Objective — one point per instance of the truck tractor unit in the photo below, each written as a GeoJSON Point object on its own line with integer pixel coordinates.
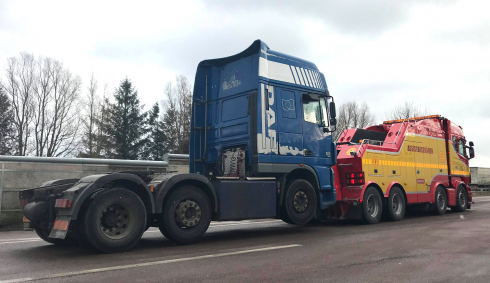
{"type": "Point", "coordinates": [421, 160]}
{"type": "Point", "coordinates": [260, 147]}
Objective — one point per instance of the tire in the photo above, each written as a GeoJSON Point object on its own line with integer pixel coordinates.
{"type": "Point", "coordinates": [461, 200]}
{"type": "Point", "coordinates": [186, 215]}
{"type": "Point", "coordinates": [372, 206]}
{"type": "Point", "coordinates": [300, 203]}
{"type": "Point", "coordinates": [114, 220]}
{"type": "Point", "coordinates": [396, 204]}
{"type": "Point", "coordinates": [440, 203]}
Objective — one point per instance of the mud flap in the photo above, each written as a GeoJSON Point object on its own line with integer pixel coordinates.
{"type": "Point", "coordinates": [60, 227]}
{"type": "Point", "coordinates": [27, 224]}
{"type": "Point", "coordinates": [354, 212]}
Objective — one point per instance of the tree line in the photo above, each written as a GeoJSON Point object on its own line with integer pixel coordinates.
{"type": "Point", "coordinates": [44, 111]}
{"type": "Point", "coordinates": [353, 114]}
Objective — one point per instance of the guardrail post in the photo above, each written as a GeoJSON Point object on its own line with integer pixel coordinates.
{"type": "Point", "coordinates": [1, 186]}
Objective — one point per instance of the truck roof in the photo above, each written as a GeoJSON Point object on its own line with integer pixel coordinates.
{"type": "Point", "coordinates": [258, 63]}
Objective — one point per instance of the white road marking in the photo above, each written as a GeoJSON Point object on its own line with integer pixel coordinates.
{"type": "Point", "coordinates": [120, 267]}
{"type": "Point", "coordinates": [23, 239]}
{"type": "Point", "coordinates": [20, 242]}
{"type": "Point", "coordinates": [17, 280]}
{"type": "Point", "coordinates": [247, 223]}
{"type": "Point", "coordinates": [231, 223]}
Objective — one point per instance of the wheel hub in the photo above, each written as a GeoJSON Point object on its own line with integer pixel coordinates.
{"type": "Point", "coordinates": [397, 204]}
{"type": "Point", "coordinates": [188, 214]}
{"type": "Point", "coordinates": [300, 201]}
{"type": "Point", "coordinates": [462, 198]}
{"type": "Point", "coordinates": [372, 206]}
{"type": "Point", "coordinates": [116, 221]}
{"type": "Point", "coordinates": [440, 200]}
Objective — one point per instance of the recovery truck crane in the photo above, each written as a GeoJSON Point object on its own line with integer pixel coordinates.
{"type": "Point", "coordinates": [261, 146]}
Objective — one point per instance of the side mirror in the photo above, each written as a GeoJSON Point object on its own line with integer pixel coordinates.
{"type": "Point", "coordinates": [472, 151]}
{"type": "Point", "coordinates": [471, 143]}
{"type": "Point", "coordinates": [333, 113]}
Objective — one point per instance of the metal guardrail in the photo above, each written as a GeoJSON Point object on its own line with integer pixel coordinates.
{"type": "Point", "coordinates": [82, 161]}
{"type": "Point", "coordinates": [175, 156]}
{"type": "Point", "coordinates": [29, 159]}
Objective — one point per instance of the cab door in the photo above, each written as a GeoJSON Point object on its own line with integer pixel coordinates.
{"type": "Point", "coordinates": [316, 142]}
{"type": "Point", "coordinates": [289, 126]}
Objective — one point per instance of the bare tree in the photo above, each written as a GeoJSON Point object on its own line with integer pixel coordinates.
{"type": "Point", "coordinates": [184, 98]}
{"type": "Point", "coordinates": [170, 119]}
{"type": "Point", "coordinates": [44, 98]}
{"type": "Point", "coordinates": [89, 122]}
{"type": "Point", "coordinates": [406, 110]}
{"type": "Point", "coordinates": [57, 118]}
{"type": "Point", "coordinates": [353, 115]}
{"type": "Point", "coordinates": [20, 84]}
{"type": "Point", "coordinates": [103, 145]}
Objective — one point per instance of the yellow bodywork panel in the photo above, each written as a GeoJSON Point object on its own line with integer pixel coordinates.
{"type": "Point", "coordinates": [420, 159]}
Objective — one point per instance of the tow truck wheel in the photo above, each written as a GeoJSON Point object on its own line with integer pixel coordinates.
{"type": "Point", "coordinates": [186, 215]}
{"type": "Point", "coordinates": [372, 206]}
{"type": "Point", "coordinates": [461, 200]}
{"type": "Point", "coordinates": [440, 204]}
{"type": "Point", "coordinates": [300, 203]}
{"type": "Point", "coordinates": [114, 221]}
{"type": "Point", "coordinates": [396, 204]}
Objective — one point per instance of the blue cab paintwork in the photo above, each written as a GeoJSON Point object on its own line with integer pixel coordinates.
{"type": "Point", "coordinates": [282, 135]}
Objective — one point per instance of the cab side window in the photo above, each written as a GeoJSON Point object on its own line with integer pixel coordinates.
{"type": "Point", "coordinates": [455, 144]}
{"type": "Point", "coordinates": [461, 147]}
{"type": "Point", "coordinates": [312, 111]}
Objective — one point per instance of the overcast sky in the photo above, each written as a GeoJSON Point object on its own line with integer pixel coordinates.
{"type": "Point", "coordinates": [436, 53]}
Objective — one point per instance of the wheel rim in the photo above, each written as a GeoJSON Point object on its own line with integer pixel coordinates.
{"type": "Point", "coordinates": [462, 198]}
{"type": "Point", "coordinates": [300, 201]}
{"type": "Point", "coordinates": [441, 201]}
{"type": "Point", "coordinates": [188, 214]}
{"type": "Point", "coordinates": [397, 204]}
{"type": "Point", "coordinates": [372, 206]}
{"type": "Point", "coordinates": [117, 220]}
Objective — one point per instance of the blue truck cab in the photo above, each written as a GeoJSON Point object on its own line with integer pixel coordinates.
{"type": "Point", "coordinates": [260, 147]}
{"type": "Point", "coordinates": [263, 115]}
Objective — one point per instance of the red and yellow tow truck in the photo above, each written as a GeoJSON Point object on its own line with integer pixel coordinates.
{"type": "Point", "coordinates": [421, 160]}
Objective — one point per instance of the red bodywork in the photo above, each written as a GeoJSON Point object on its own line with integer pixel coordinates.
{"type": "Point", "coordinates": [429, 126]}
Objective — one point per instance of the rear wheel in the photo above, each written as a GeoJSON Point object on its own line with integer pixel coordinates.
{"type": "Point", "coordinates": [186, 215]}
{"type": "Point", "coordinates": [440, 204]}
{"type": "Point", "coordinates": [114, 221]}
{"type": "Point", "coordinates": [461, 200]}
{"type": "Point", "coordinates": [396, 204]}
{"type": "Point", "coordinates": [300, 203]}
{"type": "Point", "coordinates": [372, 207]}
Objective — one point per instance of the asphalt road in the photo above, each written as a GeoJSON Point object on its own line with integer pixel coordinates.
{"type": "Point", "coordinates": [421, 248]}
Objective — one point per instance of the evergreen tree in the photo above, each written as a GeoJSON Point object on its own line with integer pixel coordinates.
{"type": "Point", "coordinates": [156, 145]}
{"type": "Point", "coordinates": [127, 123]}
{"type": "Point", "coordinates": [171, 124]}
{"type": "Point", "coordinates": [7, 132]}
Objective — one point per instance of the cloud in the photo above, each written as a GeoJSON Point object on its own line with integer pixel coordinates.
{"type": "Point", "coordinates": [479, 35]}
{"type": "Point", "coordinates": [359, 17]}
{"type": "Point", "coordinates": [434, 53]}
